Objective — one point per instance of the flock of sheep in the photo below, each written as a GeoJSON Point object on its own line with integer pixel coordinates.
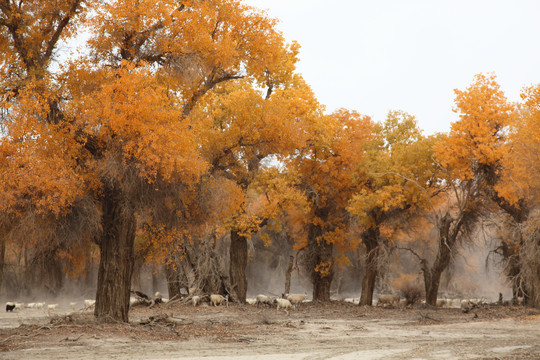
{"type": "Point", "coordinates": [11, 306]}
{"type": "Point", "coordinates": [285, 302]}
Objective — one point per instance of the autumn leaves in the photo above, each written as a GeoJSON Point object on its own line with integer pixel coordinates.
{"type": "Point", "coordinates": [189, 118]}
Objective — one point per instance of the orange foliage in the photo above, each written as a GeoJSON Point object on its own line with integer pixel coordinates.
{"type": "Point", "coordinates": [476, 139]}
{"type": "Point", "coordinates": [521, 159]}
{"type": "Point", "coordinates": [398, 171]}
{"type": "Point", "coordinates": [325, 168]}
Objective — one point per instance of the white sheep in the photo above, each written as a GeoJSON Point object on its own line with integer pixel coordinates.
{"type": "Point", "coordinates": [51, 307]}
{"type": "Point", "coordinates": [263, 299]}
{"type": "Point", "coordinates": [388, 300]}
{"type": "Point", "coordinates": [39, 305]}
{"type": "Point", "coordinates": [251, 301]}
{"type": "Point", "coordinates": [283, 304]}
{"type": "Point", "coordinates": [89, 304]}
{"type": "Point", "coordinates": [72, 305]}
{"type": "Point", "coordinates": [441, 303]}
{"type": "Point", "coordinates": [216, 299]}
{"type": "Point", "coordinates": [31, 305]}
{"type": "Point", "coordinates": [196, 300]}
{"type": "Point", "coordinates": [296, 299]}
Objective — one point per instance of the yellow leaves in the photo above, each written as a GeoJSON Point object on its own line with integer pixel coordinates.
{"type": "Point", "coordinates": [521, 159]}
{"type": "Point", "coordinates": [198, 39]}
{"type": "Point", "coordinates": [397, 166]}
{"type": "Point", "coordinates": [324, 268]}
{"type": "Point", "coordinates": [40, 159]}
{"type": "Point", "coordinates": [477, 138]}
{"type": "Point", "coordinates": [142, 118]}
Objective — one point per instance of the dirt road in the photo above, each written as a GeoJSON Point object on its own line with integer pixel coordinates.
{"type": "Point", "coordinates": [337, 331]}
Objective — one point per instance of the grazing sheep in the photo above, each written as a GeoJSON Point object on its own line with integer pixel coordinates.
{"type": "Point", "coordinates": [40, 305]}
{"type": "Point", "coordinates": [216, 299]}
{"type": "Point", "coordinates": [263, 299]}
{"type": "Point", "coordinates": [296, 298]}
{"type": "Point", "coordinates": [31, 305]}
{"type": "Point", "coordinates": [89, 304]}
{"type": "Point", "coordinates": [196, 300]}
{"type": "Point", "coordinates": [283, 304]}
{"type": "Point", "coordinates": [51, 307]}
{"type": "Point", "coordinates": [441, 303]}
{"type": "Point", "coordinates": [388, 300]}
{"type": "Point", "coordinates": [251, 301]}
{"type": "Point", "coordinates": [10, 307]}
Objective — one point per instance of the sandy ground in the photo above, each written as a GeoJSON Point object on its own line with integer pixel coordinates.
{"type": "Point", "coordinates": [337, 331]}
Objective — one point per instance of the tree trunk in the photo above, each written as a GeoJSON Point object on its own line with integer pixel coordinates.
{"type": "Point", "coordinates": [238, 264]}
{"type": "Point", "coordinates": [447, 235]}
{"type": "Point", "coordinates": [320, 259]}
{"type": "Point", "coordinates": [288, 275]}
{"type": "Point", "coordinates": [2, 259]}
{"type": "Point", "coordinates": [370, 238]}
{"type": "Point", "coordinates": [322, 281]}
{"type": "Point", "coordinates": [116, 261]}
{"type": "Point", "coordinates": [322, 273]}
{"type": "Point", "coordinates": [173, 279]}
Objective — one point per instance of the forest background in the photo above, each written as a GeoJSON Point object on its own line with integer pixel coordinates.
{"type": "Point", "coordinates": [181, 134]}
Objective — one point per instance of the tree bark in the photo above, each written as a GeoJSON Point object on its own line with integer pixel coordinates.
{"type": "Point", "coordinates": [288, 275]}
{"type": "Point", "coordinates": [448, 230]}
{"type": "Point", "coordinates": [2, 259]}
{"type": "Point", "coordinates": [117, 259]}
{"type": "Point", "coordinates": [238, 264]}
{"type": "Point", "coordinates": [321, 264]}
{"type": "Point", "coordinates": [370, 238]}
{"type": "Point", "coordinates": [173, 279]}
{"type": "Point", "coordinates": [323, 281]}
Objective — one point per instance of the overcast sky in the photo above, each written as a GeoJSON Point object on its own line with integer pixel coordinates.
{"type": "Point", "coordinates": [376, 56]}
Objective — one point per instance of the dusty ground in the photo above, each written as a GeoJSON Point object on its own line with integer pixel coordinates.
{"type": "Point", "coordinates": [314, 331]}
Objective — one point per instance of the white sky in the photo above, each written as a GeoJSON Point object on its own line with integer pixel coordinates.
{"type": "Point", "coordinates": [376, 56]}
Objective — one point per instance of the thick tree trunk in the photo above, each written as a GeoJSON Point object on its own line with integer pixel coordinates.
{"type": "Point", "coordinates": [370, 238]}
{"type": "Point", "coordinates": [238, 264]}
{"type": "Point", "coordinates": [288, 275]}
{"type": "Point", "coordinates": [322, 269]}
{"type": "Point", "coordinates": [321, 285]}
{"type": "Point", "coordinates": [2, 259]}
{"type": "Point", "coordinates": [447, 235]}
{"type": "Point", "coordinates": [172, 274]}
{"type": "Point", "coordinates": [116, 262]}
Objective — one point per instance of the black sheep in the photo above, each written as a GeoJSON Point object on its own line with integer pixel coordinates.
{"type": "Point", "coordinates": [10, 307]}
